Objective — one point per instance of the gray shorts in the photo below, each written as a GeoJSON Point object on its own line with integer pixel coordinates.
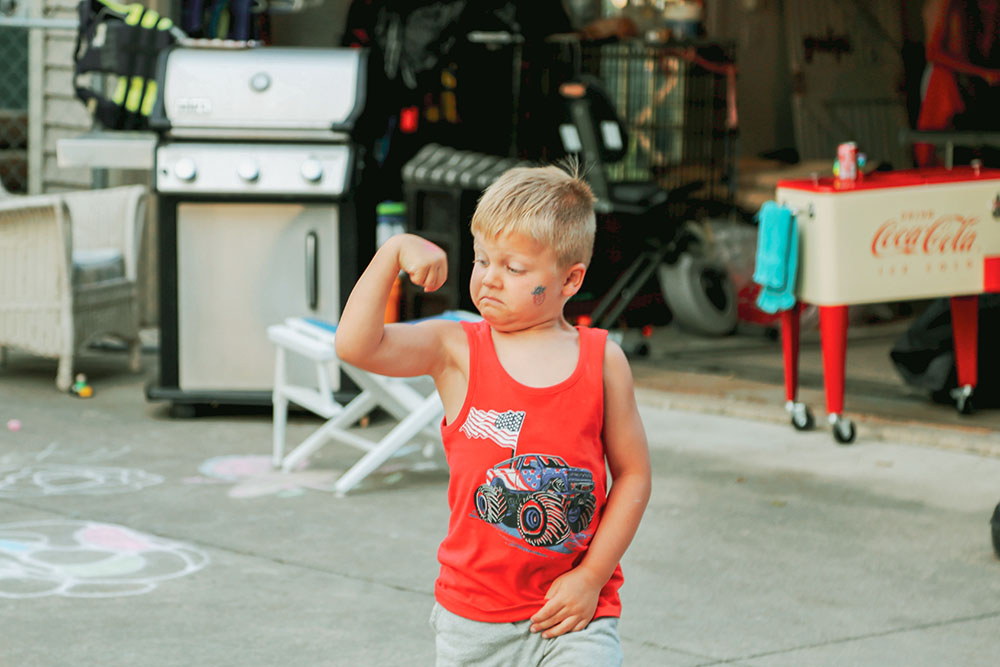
{"type": "Point", "coordinates": [462, 642]}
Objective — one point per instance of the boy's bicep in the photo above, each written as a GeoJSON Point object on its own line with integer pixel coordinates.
{"type": "Point", "coordinates": [408, 350]}
{"type": "Point", "coordinates": [624, 435]}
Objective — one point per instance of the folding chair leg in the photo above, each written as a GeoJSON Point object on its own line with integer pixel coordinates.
{"type": "Point", "coordinates": [64, 373]}
{"type": "Point", "coordinates": [135, 355]}
{"type": "Point", "coordinates": [397, 437]}
{"type": "Point", "coordinates": [280, 413]}
{"type": "Point", "coordinates": [352, 412]}
{"type": "Point", "coordinates": [278, 431]}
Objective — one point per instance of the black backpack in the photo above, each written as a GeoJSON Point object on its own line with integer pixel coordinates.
{"type": "Point", "coordinates": [123, 43]}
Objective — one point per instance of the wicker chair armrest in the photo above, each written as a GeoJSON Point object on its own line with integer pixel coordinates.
{"type": "Point", "coordinates": [110, 218]}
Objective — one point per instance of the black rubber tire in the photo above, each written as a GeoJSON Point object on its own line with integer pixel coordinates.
{"type": "Point", "coordinates": [844, 432]}
{"type": "Point", "coordinates": [491, 504]}
{"type": "Point", "coordinates": [807, 425]}
{"type": "Point", "coordinates": [183, 411]}
{"type": "Point", "coordinates": [995, 530]}
{"type": "Point", "coordinates": [541, 520]}
{"type": "Point", "coordinates": [581, 511]}
{"type": "Point", "coordinates": [700, 294]}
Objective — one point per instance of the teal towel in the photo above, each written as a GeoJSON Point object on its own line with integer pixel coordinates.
{"type": "Point", "coordinates": [777, 258]}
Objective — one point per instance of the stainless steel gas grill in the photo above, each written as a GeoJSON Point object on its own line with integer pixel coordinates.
{"type": "Point", "coordinates": [254, 169]}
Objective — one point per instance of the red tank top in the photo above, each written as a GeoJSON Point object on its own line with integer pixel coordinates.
{"type": "Point", "coordinates": [527, 486]}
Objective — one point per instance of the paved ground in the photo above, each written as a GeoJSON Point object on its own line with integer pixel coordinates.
{"type": "Point", "coordinates": [743, 376]}
{"type": "Point", "coordinates": [127, 537]}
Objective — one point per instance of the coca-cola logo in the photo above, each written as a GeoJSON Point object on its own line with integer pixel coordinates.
{"type": "Point", "coordinates": [951, 233]}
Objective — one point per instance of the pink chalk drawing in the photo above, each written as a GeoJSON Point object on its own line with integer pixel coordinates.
{"type": "Point", "coordinates": [85, 559]}
{"type": "Point", "coordinates": [255, 476]}
{"type": "Point", "coordinates": [114, 538]}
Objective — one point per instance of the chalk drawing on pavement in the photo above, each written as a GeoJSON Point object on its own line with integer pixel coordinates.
{"type": "Point", "coordinates": [64, 479]}
{"type": "Point", "coordinates": [85, 559]}
{"type": "Point", "coordinates": [40, 475]}
{"type": "Point", "coordinates": [254, 476]}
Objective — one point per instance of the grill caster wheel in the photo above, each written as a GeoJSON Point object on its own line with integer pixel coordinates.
{"type": "Point", "coordinates": [802, 416]}
{"type": "Point", "coordinates": [183, 411]}
{"type": "Point", "coordinates": [843, 429]}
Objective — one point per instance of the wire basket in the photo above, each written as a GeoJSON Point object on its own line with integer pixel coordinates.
{"type": "Point", "coordinates": [679, 109]}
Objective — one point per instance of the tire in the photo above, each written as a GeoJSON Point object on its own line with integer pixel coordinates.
{"type": "Point", "coordinates": [802, 418]}
{"type": "Point", "coordinates": [580, 512]}
{"type": "Point", "coordinates": [541, 520]}
{"type": "Point", "coordinates": [183, 410]}
{"type": "Point", "coordinates": [491, 504]}
{"type": "Point", "coordinates": [700, 294]}
{"type": "Point", "coordinates": [844, 431]}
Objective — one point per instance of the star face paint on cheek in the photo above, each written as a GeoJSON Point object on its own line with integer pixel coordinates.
{"type": "Point", "coordinates": [539, 295]}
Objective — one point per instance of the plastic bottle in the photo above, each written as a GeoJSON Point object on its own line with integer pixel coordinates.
{"type": "Point", "coordinates": [390, 219]}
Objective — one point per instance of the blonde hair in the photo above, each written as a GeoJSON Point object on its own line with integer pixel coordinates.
{"type": "Point", "coordinates": [552, 206]}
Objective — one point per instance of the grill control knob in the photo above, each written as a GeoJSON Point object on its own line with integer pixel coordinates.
{"type": "Point", "coordinates": [312, 170]}
{"type": "Point", "coordinates": [248, 171]}
{"type": "Point", "coordinates": [185, 169]}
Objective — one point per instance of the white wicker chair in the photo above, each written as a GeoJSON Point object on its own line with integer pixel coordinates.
{"type": "Point", "coordinates": [53, 298]}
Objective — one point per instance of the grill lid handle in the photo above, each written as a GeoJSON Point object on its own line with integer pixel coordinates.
{"type": "Point", "coordinates": [312, 271]}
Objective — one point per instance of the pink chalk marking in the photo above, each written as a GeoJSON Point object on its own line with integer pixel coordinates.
{"type": "Point", "coordinates": [241, 466]}
{"type": "Point", "coordinates": [113, 538]}
{"type": "Point", "coordinates": [234, 467]}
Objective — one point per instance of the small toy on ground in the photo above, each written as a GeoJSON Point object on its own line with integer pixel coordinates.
{"type": "Point", "coordinates": [14, 425]}
{"type": "Point", "coordinates": [80, 387]}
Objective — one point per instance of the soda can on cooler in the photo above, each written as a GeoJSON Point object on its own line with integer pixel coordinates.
{"type": "Point", "coordinates": [847, 161]}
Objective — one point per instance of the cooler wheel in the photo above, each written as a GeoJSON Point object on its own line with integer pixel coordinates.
{"type": "Point", "coordinates": [963, 399]}
{"type": "Point", "coordinates": [802, 416]}
{"type": "Point", "coordinates": [843, 429]}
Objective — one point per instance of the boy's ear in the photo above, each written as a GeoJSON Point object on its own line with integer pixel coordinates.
{"type": "Point", "coordinates": [574, 279]}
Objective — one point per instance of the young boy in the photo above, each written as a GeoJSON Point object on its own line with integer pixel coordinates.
{"type": "Point", "coordinates": [536, 413]}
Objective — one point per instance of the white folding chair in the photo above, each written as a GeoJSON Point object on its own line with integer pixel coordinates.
{"type": "Point", "coordinates": [413, 402]}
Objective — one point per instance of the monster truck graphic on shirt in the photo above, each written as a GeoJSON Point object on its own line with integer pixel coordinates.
{"type": "Point", "coordinates": [540, 495]}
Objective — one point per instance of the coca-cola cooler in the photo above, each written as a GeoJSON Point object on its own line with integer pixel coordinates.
{"type": "Point", "coordinates": [891, 236]}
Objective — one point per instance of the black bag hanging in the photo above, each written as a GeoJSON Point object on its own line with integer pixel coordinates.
{"type": "Point", "coordinates": [121, 42]}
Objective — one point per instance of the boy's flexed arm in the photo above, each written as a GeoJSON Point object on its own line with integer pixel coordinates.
{"type": "Point", "coordinates": [363, 340]}
{"type": "Point", "coordinates": [572, 597]}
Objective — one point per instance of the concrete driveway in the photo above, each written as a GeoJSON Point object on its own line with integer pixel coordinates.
{"type": "Point", "coordinates": [130, 538]}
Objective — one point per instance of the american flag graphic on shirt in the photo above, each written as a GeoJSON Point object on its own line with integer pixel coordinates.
{"type": "Point", "coordinates": [502, 428]}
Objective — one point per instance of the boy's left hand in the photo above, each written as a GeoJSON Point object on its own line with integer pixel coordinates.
{"type": "Point", "coordinates": [572, 601]}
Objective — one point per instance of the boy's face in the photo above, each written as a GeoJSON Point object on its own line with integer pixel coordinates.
{"type": "Point", "coordinates": [517, 282]}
